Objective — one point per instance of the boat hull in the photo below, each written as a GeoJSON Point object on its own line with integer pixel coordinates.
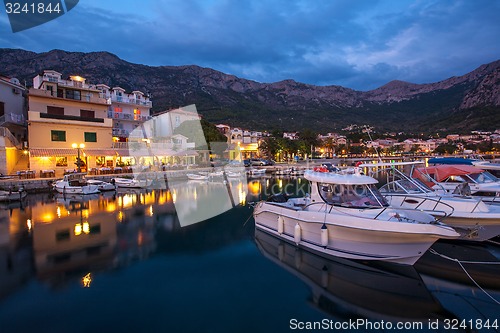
{"type": "Point", "coordinates": [350, 237]}
{"type": "Point", "coordinates": [474, 220]}
{"type": "Point", "coordinates": [87, 189]}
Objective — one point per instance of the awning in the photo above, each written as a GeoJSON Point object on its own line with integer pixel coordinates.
{"type": "Point", "coordinates": [48, 152]}
{"type": "Point", "coordinates": [106, 152]}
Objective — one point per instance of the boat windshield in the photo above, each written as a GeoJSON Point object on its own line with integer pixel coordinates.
{"type": "Point", "coordinates": [483, 177]}
{"type": "Point", "coordinates": [406, 186]}
{"type": "Point", "coordinates": [356, 196]}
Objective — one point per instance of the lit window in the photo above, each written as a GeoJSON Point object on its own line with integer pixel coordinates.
{"type": "Point", "coordinates": [58, 135]}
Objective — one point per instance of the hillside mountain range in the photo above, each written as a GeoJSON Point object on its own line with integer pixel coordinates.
{"type": "Point", "coordinates": [462, 103]}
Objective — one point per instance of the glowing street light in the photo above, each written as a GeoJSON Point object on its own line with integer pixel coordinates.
{"type": "Point", "coordinates": [78, 160]}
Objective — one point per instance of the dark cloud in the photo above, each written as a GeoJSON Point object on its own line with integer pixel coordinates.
{"type": "Point", "coordinates": [357, 44]}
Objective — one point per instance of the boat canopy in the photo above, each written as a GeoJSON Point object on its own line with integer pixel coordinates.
{"type": "Point", "coordinates": [443, 171]}
{"type": "Point", "coordinates": [339, 178]}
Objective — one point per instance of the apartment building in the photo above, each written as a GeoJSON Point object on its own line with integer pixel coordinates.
{"type": "Point", "coordinates": [13, 132]}
{"type": "Point", "coordinates": [63, 114]}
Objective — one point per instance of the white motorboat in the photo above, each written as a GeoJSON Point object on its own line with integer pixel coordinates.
{"type": "Point", "coordinates": [283, 172]}
{"type": "Point", "coordinates": [197, 176]}
{"type": "Point", "coordinates": [470, 216]}
{"type": "Point", "coordinates": [131, 182]}
{"type": "Point", "coordinates": [75, 183]}
{"type": "Point", "coordinates": [460, 179]}
{"type": "Point", "coordinates": [256, 172]}
{"type": "Point", "coordinates": [346, 216]}
{"type": "Point", "coordinates": [102, 185]}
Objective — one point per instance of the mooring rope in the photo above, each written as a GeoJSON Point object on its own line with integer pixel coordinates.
{"type": "Point", "coordinates": [460, 262]}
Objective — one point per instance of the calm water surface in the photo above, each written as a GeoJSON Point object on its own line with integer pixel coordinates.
{"type": "Point", "coordinates": [128, 262]}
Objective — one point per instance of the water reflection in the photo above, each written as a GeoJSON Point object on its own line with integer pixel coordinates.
{"type": "Point", "coordinates": [68, 241]}
{"type": "Point", "coordinates": [350, 289]}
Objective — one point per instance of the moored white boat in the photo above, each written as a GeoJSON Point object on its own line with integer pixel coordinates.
{"type": "Point", "coordinates": [346, 216]}
{"type": "Point", "coordinates": [256, 172]}
{"type": "Point", "coordinates": [470, 216]}
{"type": "Point", "coordinates": [102, 185]}
{"type": "Point", "coordinates": [461, 179]}
{"type": "Point", "coordinates": [197, 176]}
{"type": "Point", "coordinates": [131, 182]}
{"type": "Point", "coordinates": [75, 183]}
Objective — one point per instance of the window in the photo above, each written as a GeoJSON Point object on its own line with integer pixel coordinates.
{"type": "Point", "coordinates": [62, 235]}
{"type": "Point", "coordinates": [55, 110]}
{"type": "Point", "coordinates": [87, 114]}
{"type": "Point", "coordinates": [100, 160]}
{"type": "Point", "coordinates": [137, 114]}
{"type": "Point", "coordinates": [118, 109]}
{"type": "Point", "coordinates": [90, 137]}
{"type": "Point", "coordinates": [177, 121]}
{"type": "Point", "coordinates": [58, 135]}
{"type": "Point", "coordinates": [73, 94]}
{"type": "Point", "coordinates": [62, 161]}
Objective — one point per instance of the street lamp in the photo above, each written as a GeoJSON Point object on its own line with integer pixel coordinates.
{"type": "Point", "coordinates": [78, 160]}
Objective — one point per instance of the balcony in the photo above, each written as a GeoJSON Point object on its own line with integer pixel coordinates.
{"type": "Point", "coordinates": [122, 99]}
{"type": "Point", "coordinates": [53, 94]}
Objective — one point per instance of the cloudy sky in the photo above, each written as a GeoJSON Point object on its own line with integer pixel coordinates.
{"type": "Point", "coordinates": [360, 44]}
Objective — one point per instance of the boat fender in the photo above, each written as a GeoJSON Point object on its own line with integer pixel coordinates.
{"type": "Point", "coordinates": [113, 181]}
{"type": "Point", "coordinates": [324, 235]}
{"type": "Point", "coordinates": [297, 234]}
{"type": "Point", "coordinates": [50, 183]}
{"type": "Point", "coordinates": [281, 224]}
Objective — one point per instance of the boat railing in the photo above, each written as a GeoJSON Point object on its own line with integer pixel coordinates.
{"type": "Point", "coordinates": [437, 203]}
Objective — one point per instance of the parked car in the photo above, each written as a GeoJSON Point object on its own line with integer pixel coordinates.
{"type": "Point", "coordinates": [268, 162]}
{"type": "Point", "coordinates": [247, 163]}
{"type": "Point", "coordinates": [257, 162]}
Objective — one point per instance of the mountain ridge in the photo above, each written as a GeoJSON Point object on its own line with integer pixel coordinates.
{"type": "Point", "coordinates": [222, 97]}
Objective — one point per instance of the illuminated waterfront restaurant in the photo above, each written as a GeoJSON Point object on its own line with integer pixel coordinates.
{"type": "Point", "coordinates": [64, 114]}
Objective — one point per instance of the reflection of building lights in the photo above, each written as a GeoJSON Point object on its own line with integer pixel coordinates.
{"type": "Point", "coordinates": [28, 223]}
{"type": "Point", "coordinates": [280, 183]}
{"type": "Point", "coordinates": [151, 210]}
{"type": "Point", "coordinates": [242, 196]}
{"type": "Point", "coordinates": [86, 280]}
{"type": "Point", "coordinates": [140, 238]}
{"type": "Point", "coordinates": [58, 212]}
{"type": "Point", "coordinates": [82, 228]}
{"type": "Point", "coordinates": [174, 196]}
{"type": "Point", "coordinates": [254, 187]}
{"type": "Point", "coordinates": [86, 228]}
{"type": "Point", "coordinates": [78, 229]}
{"type": "Point", "coordinates": [120, 216]}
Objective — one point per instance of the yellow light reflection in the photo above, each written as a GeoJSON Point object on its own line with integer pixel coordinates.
{"type": "Point", "coordinates": [78, 229]}
{"type": "Point", "coordinates": [86, 228]}
{"type": "Point", "coordinates": [58, 212]}
{"type": "Point", "coordinates": [86, 280]}
{"type": "Point", "coordinates": [28, 223]}
{"type": "Point", "coordinates": [151, 210]}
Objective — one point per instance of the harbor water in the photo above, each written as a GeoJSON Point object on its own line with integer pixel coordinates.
{"type": "Point", "coordinates": [187, 258]}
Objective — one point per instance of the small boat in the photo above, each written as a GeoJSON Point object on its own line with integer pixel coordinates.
{"type": "Point", "coordinates": [256, 172]}
{"type": "Point", "coordinates": [296, 172]}
{"type": "Point", "coordinates": [197, 176]}
{"type": "Point", "coordinates": [102, 185]}
{"type": "Point", "coordinates": [346, 216]}
{"type": "Point", "coordinates": [75, 183]}
{"type": "Point", "coordinates": [8, 196]}
{"type": "Point", "coordinates": [234, 174]}
{"type": "Point", "coordinates": [131, 182]}
{"type": "Point", "coordinates": [283, 172]}
{"type": "Point", "coordinates": [471, 217]}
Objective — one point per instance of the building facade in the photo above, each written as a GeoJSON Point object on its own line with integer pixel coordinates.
{"type": "Point", "coordinates": [13, 133]}
{"type": "Point", "coordinates": [61, 114]}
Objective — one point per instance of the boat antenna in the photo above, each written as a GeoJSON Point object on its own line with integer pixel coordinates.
{"type": "Point", "coordinates": [371, 139]}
